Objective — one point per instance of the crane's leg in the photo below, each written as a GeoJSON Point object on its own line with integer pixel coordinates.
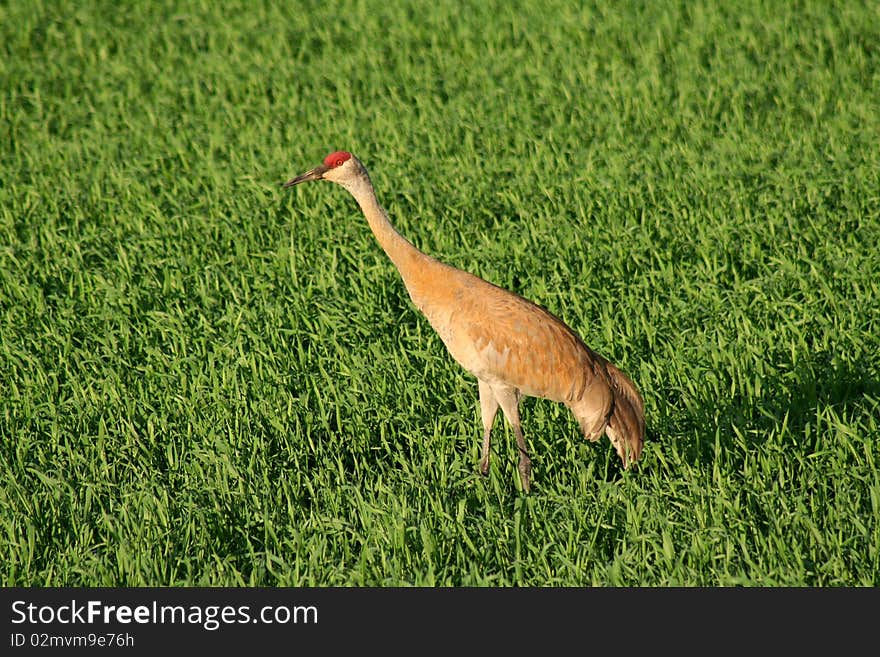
{"type": "Point", "coordinates": [488, 410]}
{"type": "Point", "coordinates": [508, 398]}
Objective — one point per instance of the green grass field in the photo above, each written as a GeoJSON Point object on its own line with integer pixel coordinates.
{"type": "Point", "coordinates": [205, 379]}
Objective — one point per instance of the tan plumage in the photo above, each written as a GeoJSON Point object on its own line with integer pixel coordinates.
{"type": "Point", "coordinates": [513, 346]}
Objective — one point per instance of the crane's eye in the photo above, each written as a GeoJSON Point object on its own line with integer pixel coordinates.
{"type": "Point", "coordinates": [340, 162]}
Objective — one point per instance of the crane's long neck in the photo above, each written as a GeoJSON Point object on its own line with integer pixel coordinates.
{"type": "Point", "coordinates": [430, 283]}
{"type": "Point", "coordinates": [403, 254]}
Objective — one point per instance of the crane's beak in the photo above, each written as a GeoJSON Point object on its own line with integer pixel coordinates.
{"type": "Point", "coordinates": [315, 174]}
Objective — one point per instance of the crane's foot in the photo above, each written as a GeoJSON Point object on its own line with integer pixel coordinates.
{"type": "Point", "coordinates": [484, 465]}
{"type": "Point", "coordinates": [525, 473]}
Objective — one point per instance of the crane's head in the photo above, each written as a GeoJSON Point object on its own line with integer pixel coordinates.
{"type": "Point", "coordinates": [340, 167]}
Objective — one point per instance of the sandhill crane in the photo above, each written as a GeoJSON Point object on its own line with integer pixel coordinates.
{"type": "Point", "coordinates": [513, 346]}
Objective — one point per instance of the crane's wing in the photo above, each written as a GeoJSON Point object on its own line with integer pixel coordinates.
{"type": "Point", "coordinates": [521, 344]}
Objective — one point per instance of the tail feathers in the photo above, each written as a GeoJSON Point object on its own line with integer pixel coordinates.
{"type": "Point", "coordinates": [626, 426]}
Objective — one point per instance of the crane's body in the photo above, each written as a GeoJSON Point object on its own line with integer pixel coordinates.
{"type": "Point", "coordinates": [511, 345]}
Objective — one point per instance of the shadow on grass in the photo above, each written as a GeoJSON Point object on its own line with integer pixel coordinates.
{"type": "Point", "coordinates": [791, 406]}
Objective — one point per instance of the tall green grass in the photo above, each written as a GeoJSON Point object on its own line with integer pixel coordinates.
{"type": "Point", "coordinates": [207, 380]}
